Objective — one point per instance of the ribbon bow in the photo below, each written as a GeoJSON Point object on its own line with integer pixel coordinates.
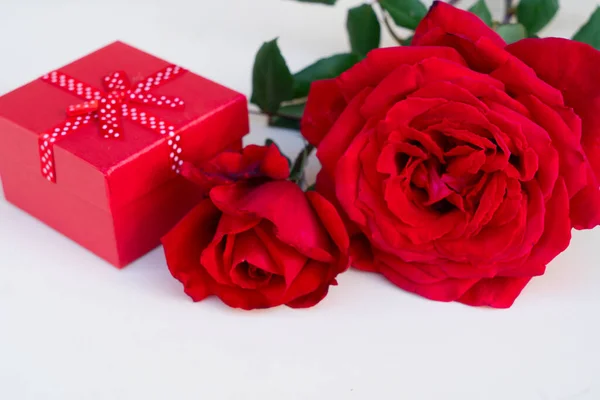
{"type": "Point", "coordinates": [110, 108]}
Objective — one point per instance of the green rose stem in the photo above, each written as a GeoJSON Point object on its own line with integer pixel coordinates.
{"type": "Point", "coordinates": [510, 11]}
{"type": "Point", "coordinates": [300, 163]}
{"type": "Point", "coordinates": [388, 25]}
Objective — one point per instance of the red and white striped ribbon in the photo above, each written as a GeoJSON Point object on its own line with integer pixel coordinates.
{"type": "Point", "coordinates": [109, 108]}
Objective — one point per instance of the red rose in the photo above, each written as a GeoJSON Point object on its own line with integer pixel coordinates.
{"type": "Point", "coordinates": [257, 240]}
{"type": "Point", "coordinates": [461, 163]}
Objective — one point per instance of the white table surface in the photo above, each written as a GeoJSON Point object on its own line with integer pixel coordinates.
{"type": "Point", "coordinates": [74, 328]}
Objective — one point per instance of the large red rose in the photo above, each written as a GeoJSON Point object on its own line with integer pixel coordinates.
{"type": "Point", "coordinates": [258, 240]}
{"type": "Point", "coordinates": [460, 163]}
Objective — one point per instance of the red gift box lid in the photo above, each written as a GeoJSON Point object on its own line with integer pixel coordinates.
{"type": "Point", "coordinates": [112, 172]}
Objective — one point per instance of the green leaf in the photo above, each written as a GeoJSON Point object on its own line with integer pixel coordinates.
{"type": "Point", "coordinates": [288, 117]}
{"type": "Point", "coordinates": [312, 188]}
{"type": "Point", "coordinates": [511, 32]}
{"type": "Point", "coordinates": [535, 14]}
{"type": "Point", "coordinates": [590, 32]}
{"type": "Point", "coordinates": [482, 11]}
{"type": "Point", "coordinates": [293, 111]}
{"type": "Point", "coordinates": [285, 123]}
{"type": "Point", "coordinates": [325, 68]}
{"type": "Point", "coordinates": [405, 13]}
{"type": "Point", "coordinates": [363, 29]}
{"type": "Point", "coordinates": [272, 81]}
{"type": "Point", "coordinates": [328, 2]}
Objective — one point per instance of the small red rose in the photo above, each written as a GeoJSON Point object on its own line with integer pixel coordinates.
{"type": "Point", "coordinates": [460, 163]}
{"type": "Point", "coordinates": [257, 240]}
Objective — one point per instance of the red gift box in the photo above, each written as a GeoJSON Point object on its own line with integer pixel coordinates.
{"type": "Point", "coordinates": [93, 149]}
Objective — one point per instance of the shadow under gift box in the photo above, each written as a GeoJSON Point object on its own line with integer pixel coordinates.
{"type": "Point", "coordinates": [117, 197]}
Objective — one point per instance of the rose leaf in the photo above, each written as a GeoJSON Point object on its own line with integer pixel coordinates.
{"type": "Point", "coordinates": [272, 81]}
{"type": "Point", "coordinates": [405, 13]}
{"type": "Point", "coordinates": [324, 68]}
{"type": "Point", "coordinates": [363, 28]}
{"type": "Point", "coordinates": [535, 14]}
{"type": "Point", "coordinates": [511, 32]}
{"type": "Point", "coordinates": [285, 123]}
{"type": "Point", "coordinates": [482, 11]}
{"type": "Point", "coordinates": [590, 32]}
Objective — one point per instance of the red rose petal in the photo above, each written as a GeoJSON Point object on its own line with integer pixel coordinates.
{"type": "Point", "coordinates": [575, 74]}
{"type": "Point", "coordinates": [403, 134]}
{"type": "Point", "coordinates": [249, 248]}
{"type": "Point", "coordinates": [534, 210]}
{"type": "Point", "coordinates": [438, 69]}
{"type": "Point", "coordinates": [449, 91]}
{"type": "Point", "coordinates": [538, 139]}
{"type": "Point", "coordinates": [490, 93]}
{"type": "Point", "coordinates": [326, 187]}
{"type": "Point", "coordinates": [422, 225]}
{"type": "Point", "coordinates": [361, 254]}
{"type": "Point", "coordinates": [288, 259]}
{"type": "Point", "coordinates": [242, 277]}
{"type": "Point", "coordinates": [324, 105]}
{"type": "Point", "coordinates": [346, 179]}
{"type": "Point", "coordinates": [345, 129]}
{"type": "Point", "coordinates": [499, 292]}
{"type": "Point", "coordinates": [403, 112]}
{"type": "Point", "coordinates": [417, 273]}
{"type": "Point", "coordinates": [573, 164]}
{"type": "Point", "coordinates": [444, 290]}
{"type": "Point", "coordinates": [245, 299]}
{"type": "Point", "coordinates": [557, 227]}
{"type": "Point", "coordinates": [510, 204]}
{"type": "Point", "coordinates": [273, 201]}
{"type": "Point", "coordinates": [196, 285]}
{"type": "Point", "coordinates": [184, 244]}
{"type": "Point", "coordinates": [395, 86]}
{"type": "Point", "coordinates": [310, 299]}
{"type": "Point", "coordinates": [488, 245]}
{"type": "Point", "coordinates": [380, 62]}
{"type": "Point", "coordinates": [521, 79]}
{"type": "Point", "coordinates": [309, 280]}
{"type": "Point", "coordinates": [445, 18]}
{"type": "Point", "coordinates": [469, 164]}
{"type": "Point", "coordinates": [490, 201]}
{"type": "Point", "coordinates": [525, 270]}
{"type": "Point", "coordinates": [436, 271]}
{"type": "Point", "coordinates": [331, 220]}
{"type": "Point", "coordinates": [217, 262]}
{"type": "Point", "coordinates": [585, 208]}
{"type": "Point", "coordinates": [368, 162]}
{"type": "Point", "coordinates": [273, 164]}
{"type": "Point", "coordinates": [232, 166]}
{"type": "Point", "coordinates": [233, 224]}
{"type": "Point", "coordinates": [217, 258]}
{"type": "Point", "coordinates": [464, 135]}
{"type": "Point", "coordinates": [468, 116]}
{"type": "Point", "coordinates": [436, 188]}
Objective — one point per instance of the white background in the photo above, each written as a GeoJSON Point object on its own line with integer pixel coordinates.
{"type": "Point", "coordinates": [74, 328]}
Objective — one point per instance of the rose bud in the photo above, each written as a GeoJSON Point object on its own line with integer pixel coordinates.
{"type": "Point", "coordinates": [257, 240]}
{"type": "Point", "coordinates": [461, 163]}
